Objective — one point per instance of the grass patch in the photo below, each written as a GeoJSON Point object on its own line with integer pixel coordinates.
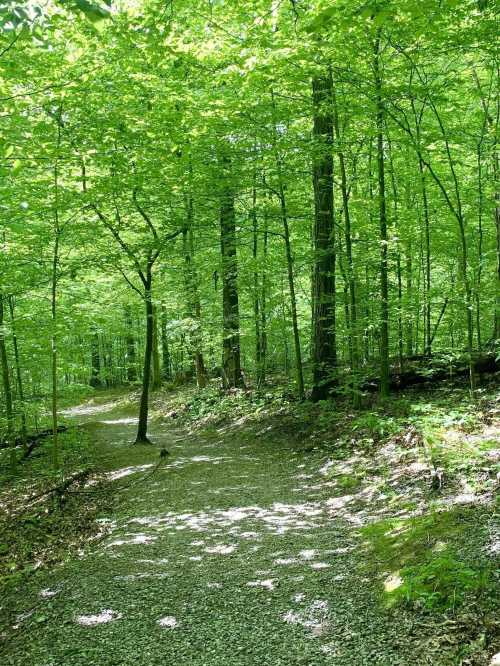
{"type": "Point", "coordinates": [424, 560]}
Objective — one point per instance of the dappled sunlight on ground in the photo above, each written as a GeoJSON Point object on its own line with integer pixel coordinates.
{"type": "Point", "coordinates": [103, 617]}
{"type": "Point", "coordinates": [245, 540]}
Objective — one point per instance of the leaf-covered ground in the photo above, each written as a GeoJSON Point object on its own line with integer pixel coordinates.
{"type": "Point", "coordinates": [261, 543]}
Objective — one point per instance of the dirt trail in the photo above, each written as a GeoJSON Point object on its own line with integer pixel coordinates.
{"type": "Point", "coordinates": [234, 553]}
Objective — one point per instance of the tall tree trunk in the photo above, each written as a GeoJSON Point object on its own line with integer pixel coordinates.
{"type": "Point", "coordinates": [130, 346]}
{"type": "Point", "coordinates": [165, 350]}
{"type": "Point", "coordinates": [289, 261]}
{"type": "Point", "coordinates": [231, 363]}
{"type": "Point", "coordinates": [156, 372]}
{"type": "Point", "coordinates": [193, 309]}
{"type": "Point", "coordinates": [263, 306]}
{"type": "Point", "coordinates": [384, 281]}
{"type": "Point", "coordinates": [324, 353]}
{"type": "Point", "coordinates": [53, 305]}
{"type": "Point", "coordinates": [142, 430]}
{"type": "Point", "coordinates": [7, 389]}
{"type": "Point", "coordinates": [351, 282]}
{"type": "Point", "coordinates": [256, 287]}
{"type": "Point", "coordinates": [95, 376]}
{"type": "Point", "coordinates": [19, 374]}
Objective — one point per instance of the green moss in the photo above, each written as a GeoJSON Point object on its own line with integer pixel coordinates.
{"type": "Point", "coordinates": [424, 554]}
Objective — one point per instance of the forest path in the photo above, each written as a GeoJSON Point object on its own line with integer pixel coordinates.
{"type": "Point", "coordinates": [230, 554]}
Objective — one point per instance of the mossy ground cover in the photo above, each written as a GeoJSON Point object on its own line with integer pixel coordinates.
{"type": "Point", "coordinates": [256, 544]}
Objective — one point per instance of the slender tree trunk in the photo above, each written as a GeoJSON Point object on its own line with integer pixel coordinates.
{"type": "Point", "coordinates": [351, 281]}
{"type": "Point", "coordinates": [130, 346]}
{"type": "Point", "coordinates": [231, 363]}
{"type": "Point", "coordinates": [9, 411]}
{"type": "Point", "coordinates": [156, 372]}
{"type": "Point", "coordinates": [165, 350]}
{"type": "Point", "coordinates": [395, 197]}
{"type": "Point", "coordinates": [263, 306]}
{"type": "Point", "coordinates": [384, 281]}
{"type": "Point", "coordinates": [95, 376]}
{"type": "Point", "coordinates": [142, 430]}
{"type": "Point", "coordinates": [192, 296]}
{"type": "Point", "coordinates": [324, 354]}
{"type": "Point", "coordinates": [53, 307]}
{"type": "Point", "coordinates": [256, 287]}
{"type": "Point", "coordinates": [293, 299]}
{"type": "Point", "coordinates": [19, 374]}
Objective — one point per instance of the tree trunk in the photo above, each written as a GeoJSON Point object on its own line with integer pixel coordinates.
{"type": "Point", "coordinates": [324, 353]}
{"type": "Point", "coordinates": [351, 282]}
{"type": "Point", "coordinates": [156, 372]}
{"type": "Point", "coordinates": [142, 430]}
{"type": "Point", "coordinates": [165, 350]}
{"type": "Point", "coordinates": [9, 412]}
{"type": "Point", "coordinates": [231, 363]}
{"type": "Point", "coordinates": [130, 346]}
{"type": "Point", "coordinates": [256, 292]}
{"type": "Point", "coordinates": [19, 375]}
{"type": "Point", "coordinates": [95, 377]}
{"type": "Point", "coordinates": [193, 309]}
{"type": "Point", "coordinates": [384, 282]}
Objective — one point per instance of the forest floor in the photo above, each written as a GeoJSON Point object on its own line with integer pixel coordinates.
{"type": "Point", "coordinates": [276, 533]}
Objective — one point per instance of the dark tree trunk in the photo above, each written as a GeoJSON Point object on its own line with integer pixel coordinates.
{"type": "Point", "coordinates": [142, 430]}
{"type": "Point", "coordinates": [231, 363]}
{"type": "Point", "coordinates": [324, 354]}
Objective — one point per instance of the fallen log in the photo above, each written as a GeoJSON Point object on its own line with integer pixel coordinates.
{"type": "Point", "coordinates": [435, 369]}
{"type": "Point", "coordinates": [61, 488]}
{"type": "Point", "coordinates": [30, 441]}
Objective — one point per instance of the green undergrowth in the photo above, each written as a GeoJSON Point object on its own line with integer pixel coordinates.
{"type": "Point", "coordinates": [38, 527]}
{"type": "Point", "coordinates": [434, 562]}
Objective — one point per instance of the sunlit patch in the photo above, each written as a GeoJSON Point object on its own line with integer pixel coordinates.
{"type": "Point", "coordinates": [300, 596]}
{"type": "Point", "coordinates": [221, 550]}
{"type": "Point", "coordinates": [319, 565]}
{"type": "Point", "coordinates": [214, 586]}
{"type": "Point", "coordinates": [392, 582]}
{"type": "Point", "coordinates": [283, 561]}
{"type": "Point", "coordinates": [495, 660]}
{"type": "Point", "coordinates": [133, 540]}
{"type": "Point", "coordinates": [126, 471]}
{"type": "Point", "coordinates": [168, 622]}
{"type": "Point", "coordinates": [307, 554]}
{"type": "Point", "coordinates": [48, 593]}
{"type": "Point", "coordinates": [313, 618]}
{"type": "Point", "coordinates": [140, 576]}
{"type": "Point", "coordinates": [103, 617]}
{"type": "Point", "coordinates": [196, 558]}
{"type": "Point", "coordinates": [160, 560]}
{"type": "Point", "coordinates": [268, 584]}
{"type": "Point", "coordinates": [125, 421]}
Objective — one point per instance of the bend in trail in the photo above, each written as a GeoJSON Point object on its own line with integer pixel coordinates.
{"type": "Point", "coordinates": [233, 553]}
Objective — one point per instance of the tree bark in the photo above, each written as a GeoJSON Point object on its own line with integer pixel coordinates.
{"type": "Point", "coordinates": [384, 281]}
{"type": "Point", "coordinates": [142, 430]}
{"type": "Point", "coordinates": [7, 389]}
{"type": "Point", "coordinates": [130, 346]}
{"type": "Point", "coordinates": [231, 361]}
{"type": "Point", "coordinates": [19, 374]}
{"type": "Point", "coordinates": [324, 352]}
{"type": "Point", "coordinates": [95, 376]}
